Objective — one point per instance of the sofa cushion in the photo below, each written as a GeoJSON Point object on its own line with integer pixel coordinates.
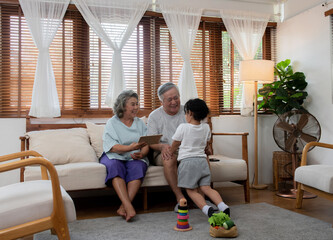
{"type": "Point", "coordinates": [323, 175]}
{"type": "Point", "coordinates": [63, 145]}
{"type": "Point", "coordinates": [27, 201]}
{"type": "Point", "coordinates": [154, 177]}
{"type": "Point", "coordinates": [74, 176]}
{"type": "Point", "coordinates": [95, 133]}
{"type": "Point", "coordinates": [228, 169]}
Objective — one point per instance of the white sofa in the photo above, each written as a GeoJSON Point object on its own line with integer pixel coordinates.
{"type": "Point", "coordinates": [74, 149]}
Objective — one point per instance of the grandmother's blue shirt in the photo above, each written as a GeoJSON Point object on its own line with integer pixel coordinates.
{"type": "Point", "coordinates": [116, 132]}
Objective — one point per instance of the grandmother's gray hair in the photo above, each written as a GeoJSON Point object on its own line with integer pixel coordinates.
{"type": "Point", "coordinates": [164, 88]}
{"type": "Point", "coordinates": [119, 105]}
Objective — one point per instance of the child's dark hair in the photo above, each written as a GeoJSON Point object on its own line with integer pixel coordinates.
{"type": "Point", "coordinates": [198, 107]}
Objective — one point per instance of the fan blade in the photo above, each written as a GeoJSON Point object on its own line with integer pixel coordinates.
{"type": "Point", "coordinates": [290, 142]}
{"type": "Point", "coordinates": [308, 138]}
{"type": "Point", "coordinates": [285, 126]}
{"type": "Point", "coordinates": [302, 121]}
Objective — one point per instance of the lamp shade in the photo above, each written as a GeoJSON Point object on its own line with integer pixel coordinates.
{"type": "Point", "coordinates": [256, 70]}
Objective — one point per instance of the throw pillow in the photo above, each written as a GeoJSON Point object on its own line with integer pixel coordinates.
{"type": "Point", "coordinates": [63, 146]}
{"type": "Point", "coordinates": [95, 133]}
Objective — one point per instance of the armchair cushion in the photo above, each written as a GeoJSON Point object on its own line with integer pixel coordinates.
{"type": "Point", "coordinates": [63, 146]}
{"type": "Point", "coordinates": [316, 176]}
{"type": "Point", "coordinates": [29, 201]}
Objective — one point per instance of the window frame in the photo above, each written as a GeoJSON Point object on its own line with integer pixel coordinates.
{"type": "Point", "coordinates": [81, 76]}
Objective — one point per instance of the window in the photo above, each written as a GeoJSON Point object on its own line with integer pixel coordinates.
{"type": "Point", "coordinates": [82, 63]}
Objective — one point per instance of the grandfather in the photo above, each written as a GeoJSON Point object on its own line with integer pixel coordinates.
{"type": "Point", "coordinates": [165, 120]}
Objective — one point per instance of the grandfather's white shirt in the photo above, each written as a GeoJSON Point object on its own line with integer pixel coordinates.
{"type": "Point", "coordinates": [159, 122]}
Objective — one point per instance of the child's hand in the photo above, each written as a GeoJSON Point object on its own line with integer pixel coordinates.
{"type": "Point", "coordinates": [208, 150]}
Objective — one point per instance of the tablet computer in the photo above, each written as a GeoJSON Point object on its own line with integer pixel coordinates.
{"type": "Point", "coordinates": [152, 139]}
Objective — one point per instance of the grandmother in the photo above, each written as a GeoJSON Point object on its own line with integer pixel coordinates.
{"type": "Point", "coordinates": [124, 158]}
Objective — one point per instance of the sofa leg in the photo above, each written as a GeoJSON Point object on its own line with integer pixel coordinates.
{"type": "Point", "coordinates": [299, 196]}
{"type": "Point", "coordinates": [247, 191]}
{"type": "Point", "coordinates": [145, 198]}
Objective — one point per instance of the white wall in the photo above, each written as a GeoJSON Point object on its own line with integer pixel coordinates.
{"type": "Point", "coordinates": [231, 145]}
{"type": "Point", "coordinates": [306, 40]}
{"type": "Point", "coordinates": [10, 129]}
{"type": "Point", "coordinates": [295, 7]}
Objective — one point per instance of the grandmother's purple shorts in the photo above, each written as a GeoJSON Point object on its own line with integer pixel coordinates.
{"type": "Point", "coordinates": [127, 170]}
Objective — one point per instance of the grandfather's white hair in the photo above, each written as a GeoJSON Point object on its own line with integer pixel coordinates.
{"type": "Point", "coordinates": [164, 88]}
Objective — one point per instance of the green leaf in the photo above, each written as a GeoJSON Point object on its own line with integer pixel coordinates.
{"type": "Point", "coordinates": [265, 90]}
{"type": "Point", "coordinates": [282, 109]}
{"type": "Point", "coordinates": [281, 92]}
{"type": "Point", "coordinates": [283, 64]}
{"type": "Point", "coordinates": [261, 105]}
{"type": "Point", "coordinates": [294, 104]}
{"type": "Point", "coordinates": [282, 98]}
{"type": "Point", "coordinates": [289, 71]}
{"type": "Point", "coordinates": [217, 219]}
{"type": "Point", "coordinates": [297, 95]}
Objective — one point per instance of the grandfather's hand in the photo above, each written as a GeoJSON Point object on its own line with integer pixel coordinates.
{"type": "Point", "coordinates": [166, 152]}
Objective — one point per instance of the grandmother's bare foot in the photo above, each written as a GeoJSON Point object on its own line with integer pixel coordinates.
{"type": "Point", "coordinates": [130, 213]}
{"type": "Point", "coordinates": [121, 211]}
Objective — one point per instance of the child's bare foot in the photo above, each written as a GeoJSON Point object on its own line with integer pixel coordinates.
{"type": "Point", "coordinates": [121, 211]}
{"type": "Point", "coordinates": [130, 212]}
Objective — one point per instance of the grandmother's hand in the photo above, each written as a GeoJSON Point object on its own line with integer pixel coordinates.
{"type": "Point", "coordinates": [137, 155]}
{"type": "Point", "coordinates": [136, 146]}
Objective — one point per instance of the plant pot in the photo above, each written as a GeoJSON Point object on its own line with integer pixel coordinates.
{"type": "Point", "coordinates": [221, 232]}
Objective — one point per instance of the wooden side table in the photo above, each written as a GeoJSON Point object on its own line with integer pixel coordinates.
{"type": "Point", "coordinates": [282, 167]}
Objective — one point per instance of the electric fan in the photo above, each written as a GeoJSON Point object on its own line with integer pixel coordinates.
{"type": "Point", "coordinates": [291, 132]}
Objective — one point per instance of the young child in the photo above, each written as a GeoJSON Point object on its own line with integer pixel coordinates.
{"type": "Point", "coordinates": [194, 171]}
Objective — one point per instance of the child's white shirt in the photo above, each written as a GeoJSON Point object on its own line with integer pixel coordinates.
{"type": "Point", "coordinates": [193, 139]}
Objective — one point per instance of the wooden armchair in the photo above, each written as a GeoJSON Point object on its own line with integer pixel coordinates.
{"type": "Point", "coordinates": [22, 213]}
{"type": "Point", "coordinates": [317, 179]}
{"type": "Point", "coordinates": [230, 169]}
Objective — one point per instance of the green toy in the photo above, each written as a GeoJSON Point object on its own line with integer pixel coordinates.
{"type": "Point", "coordinates": [221, 225]}
{"type": "Point", "coordinates": [228, 224]}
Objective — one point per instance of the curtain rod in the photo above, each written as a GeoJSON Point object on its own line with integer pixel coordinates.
{"type": "Point", "coordinates": [151, 6]}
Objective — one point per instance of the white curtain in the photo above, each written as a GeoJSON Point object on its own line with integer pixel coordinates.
{"type": "Point", "coordinates": [183, 23]}
{"type": "Point", "coordinates": [43, 18]}
{"type": "Point", "coordinates": [114, 22]}
{"type": "Point", "coordinates": [246, 30]}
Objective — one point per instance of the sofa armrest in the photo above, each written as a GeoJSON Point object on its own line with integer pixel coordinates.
{"type": "Point", "coordinates": [244, 142]}
{"type": "Point", "coordinates": [309, 146]}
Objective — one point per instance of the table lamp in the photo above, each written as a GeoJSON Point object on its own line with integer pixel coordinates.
{"type": "Point", "coordinates": [261, 71]}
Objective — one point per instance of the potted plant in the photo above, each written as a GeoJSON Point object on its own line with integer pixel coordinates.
{"type": "Point", "coordinates": [285, 94]}
{"type": "Point", "coordinates": [282, 97]}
